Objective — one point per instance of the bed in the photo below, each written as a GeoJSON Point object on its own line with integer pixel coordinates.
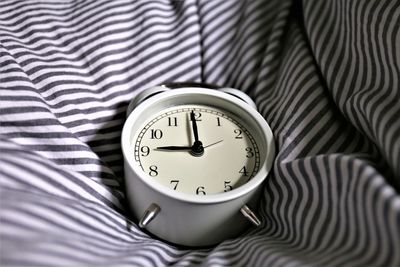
{"type": "Point", "coordinates": [324, 74]}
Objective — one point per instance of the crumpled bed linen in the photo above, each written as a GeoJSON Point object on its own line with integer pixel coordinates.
{"type": "Point", "coordinates": [324, 74]}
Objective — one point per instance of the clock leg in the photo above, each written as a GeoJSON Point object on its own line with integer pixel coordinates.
{"type": "Point", "coordinates": [250, 215]}
{"type": "Point", "coordinates": [149, 214]}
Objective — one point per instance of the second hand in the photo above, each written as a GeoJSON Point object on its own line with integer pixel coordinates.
{"type": "Point", "coordinates": [214, 143]}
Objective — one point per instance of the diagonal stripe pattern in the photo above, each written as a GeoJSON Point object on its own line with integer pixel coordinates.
{"type": "Point", "coordinates": [324, 74]}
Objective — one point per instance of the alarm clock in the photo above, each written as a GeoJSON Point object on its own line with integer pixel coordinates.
{"type": "Point", "coordinates": [195, 159]}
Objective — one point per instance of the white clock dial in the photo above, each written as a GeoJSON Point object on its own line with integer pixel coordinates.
{"type": "Point", "coordinates": [164, 150]}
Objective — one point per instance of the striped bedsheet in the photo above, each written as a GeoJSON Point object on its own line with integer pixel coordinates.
{"type": "Point", "coordinates": [324, 74]}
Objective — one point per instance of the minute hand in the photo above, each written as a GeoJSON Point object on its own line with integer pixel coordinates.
{"type": "Point", "coordinates": [197, 147]}
{"type": "Point", "coordinates": [194, 126]}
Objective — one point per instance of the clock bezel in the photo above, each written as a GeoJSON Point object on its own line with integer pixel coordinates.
{"type": "Point", "coordinates": [208, 97]}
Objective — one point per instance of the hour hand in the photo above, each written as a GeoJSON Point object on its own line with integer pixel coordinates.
{"type": "Point", "coordinates": [175, 148]}
{"type": "Point", "coordinates": [183, 148]}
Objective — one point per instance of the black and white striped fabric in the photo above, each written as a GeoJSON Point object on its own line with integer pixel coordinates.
{"type": "Point", "coordinates": [324, 74]}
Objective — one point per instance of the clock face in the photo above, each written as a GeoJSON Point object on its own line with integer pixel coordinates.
{"type": "Point", "coordinates": [197, 149]}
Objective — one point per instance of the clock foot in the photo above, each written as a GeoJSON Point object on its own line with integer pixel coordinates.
{"type": "Point", "coordinates": [149, 214]}
{"type": "Point", "coordinates": [250, 215]}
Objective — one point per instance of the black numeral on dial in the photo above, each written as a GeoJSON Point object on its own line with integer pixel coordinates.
{"type": "Point", "coordinates": [156, 134]}
{"type": "Point", "coordinates": [145, 151]}
{"type": "Point", "coordinates": [153, 170]}
{"type": "Point", "coordinates": [244, 171]}
{"type": "Point", "coordinates": [173, 121]}
{"type": "Point", "coordinates": [218, 121]}
{"type": "Point", "coordinates": [174, 183]}
{"type": "Point", "coordinates": [200, 190]}
{"type": "Point", "coordinates": [250, 152]}
{"type": "Point", "coordinates": [197, 116]}
{"type": "Point", "coordinates": [238, 133]}
{"type": "Point", "coordinates": [227, 186]}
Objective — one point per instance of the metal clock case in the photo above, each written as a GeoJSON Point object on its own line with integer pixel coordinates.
{"type": "Point", "coordinates": [195, 160]}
